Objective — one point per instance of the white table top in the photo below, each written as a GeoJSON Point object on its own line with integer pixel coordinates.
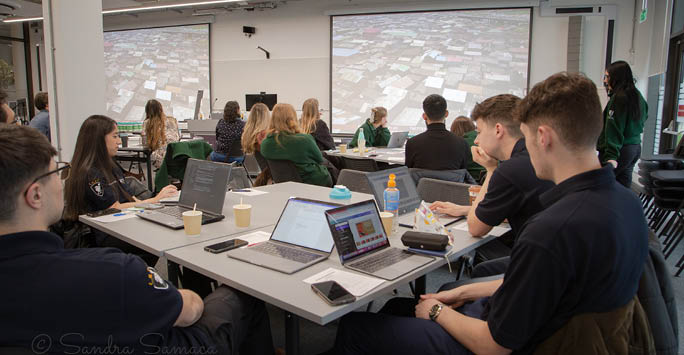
{"type": "Point", "coordinates": [386, 155]}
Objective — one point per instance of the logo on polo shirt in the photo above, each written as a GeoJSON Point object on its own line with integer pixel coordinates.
{"type": "Point", "coordinates": [610, 114]}
{"type": "Point", "coordinates": [96, 187]}
{"type": "Point", "coordinates": [155, 280]}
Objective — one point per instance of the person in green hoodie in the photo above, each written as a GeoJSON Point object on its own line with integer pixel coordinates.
{"type": "Point", "coordinates": [286, 141]}
{"type": "Point", "coordinates": [623, 122]}
{"type": "Point", "coordinates": [374, 129]}
{"type": "Point", "coordinates": [464, 127]}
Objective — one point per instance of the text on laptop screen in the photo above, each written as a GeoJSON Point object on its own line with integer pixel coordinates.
{"type": "Point", "coordinates": [205, 184]}
{"type": "Point", "coordinates": [303, 223]}
{"type": "Point", "coordinates": [358, 229]}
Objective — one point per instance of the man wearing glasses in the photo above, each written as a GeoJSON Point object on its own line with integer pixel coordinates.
{"type": "Point", "coordinates": [104, 301]}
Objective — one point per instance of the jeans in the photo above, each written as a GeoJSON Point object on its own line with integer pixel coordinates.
{"type": "Point", "coordinates": [221, 158]}
{"type": "Point", "coordinates": [629, 154]}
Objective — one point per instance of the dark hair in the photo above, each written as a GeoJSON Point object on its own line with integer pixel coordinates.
{"type": "Point", "coordinates": [569, 103]}
{"type": "Point", "coordinates": [155, 128]}
{"type": "Point", "coordinates": [462, 125]}
{"type": "Point", "coordinates": [90, 153]}
{"type": "Point", "coordinates": [3, 100]}
{"type": "Point", "coordinates": [41, 100]}
{"type": "Point", "coordinates": [25, 153]}
{"type": "Point", "coordinates": [625, 94]}
{"type": "Point", "coordinates": [230, 111]}
{"type": "Point", "coordinates": [498, 109]}
{"type": "Point", "coordinates": [153, 108]}
{"type": "Point", "coordinates": [435, 107]}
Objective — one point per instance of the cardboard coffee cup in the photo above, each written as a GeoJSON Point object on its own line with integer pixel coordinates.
{"type": "Point", "coordinates": [387, 219]}
{"type": "Point", "coordinates": [243, 214]}
{"type": "Point", "coordinates": [473, 191]}
{"type": "Point", "coordinates": [343, 148]}
{"type": "Point", "coordinates": [192, 222]}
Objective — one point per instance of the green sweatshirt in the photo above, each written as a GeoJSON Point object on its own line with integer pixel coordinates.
{"type": "Point", "coordinates": [474, 168]}
{"type": "Point", "coordinates": [620, 129]}
{"type": "Point", "coordinates": [375, 137]}
{"type": "Point", "coordinates": [301, 149]}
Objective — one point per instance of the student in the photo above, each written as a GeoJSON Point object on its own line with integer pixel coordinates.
{"type": "Point", "coordinates": [255, 131]}
{"type": "Point", "coordinates": [576, 257]}
{"type": "Point", "coordinates": [510, 190]}
{"type": "Point", "coordinates": [6, 113]}
{"type": "Point", "coordinates": [312, 124]}
{"type": "Point", "coordinates": [158, 131]}
{"type": "Point", "coordinates": [41, 121]}
{"type": "Point", "coordinates": [624, 116]}
{"type": "Point", "coordinates": [228, 130]}
{"type": "Point", "coordinates": [374, 129]}
{"type": "Point", "coordinates": [104, 300]}
{"type": "Point", "coordinates": [464, 127]}
{"type": "Point", "coordinates": [436, 148]}
{"type": "Point", "coordinates": [285, 141]}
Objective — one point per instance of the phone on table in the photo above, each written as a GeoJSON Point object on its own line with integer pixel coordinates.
{"type": "Point", "coordinates": [333, 293]}
{"type": "Point", "coordinates": [103, 212]}
{"type": "Point", "coordinates": [225, 246]}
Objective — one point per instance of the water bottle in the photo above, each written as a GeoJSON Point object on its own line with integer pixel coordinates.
{"type": "Point", "coordinates": [391, 199]}
{"type": "Point", "coordinates": [361, 142]}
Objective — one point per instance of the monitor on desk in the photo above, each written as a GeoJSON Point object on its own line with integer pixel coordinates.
{"type": "Point", "coordinates": [268, 99]}
{"type": "Point", "coordinates": [408, 195]}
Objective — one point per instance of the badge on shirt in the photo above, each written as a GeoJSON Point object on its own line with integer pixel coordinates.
{"type": "Point", "coordinates": [96, 187]}
{"type": "Point", "coordinates": [610, 114]}
{"type": "Point", "coordinates": [155, 280]}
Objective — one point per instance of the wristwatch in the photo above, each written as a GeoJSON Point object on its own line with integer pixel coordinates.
{"type": "Point", "coordinates": [434, 311]}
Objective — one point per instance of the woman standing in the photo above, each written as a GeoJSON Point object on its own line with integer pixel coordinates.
{"type": "Point", "coordinates": [464, 127]}
{"type": "Point", "coordinates": [228, 132]}
{"type": "Point", "coordinates": [312, 124]}
{"type": "Point", "coordinates": [158, 131]}
{"type": "Point", "coordinates": [374, 129]}
{"type": "Point", "coordinates": [623, 122]}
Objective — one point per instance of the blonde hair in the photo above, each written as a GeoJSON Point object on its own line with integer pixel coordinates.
{"type": "Point", "coordinates": [377, 114]}
{"type": "Point", "coordinates": [258, 121]}
{"type": "Point", "coordinates": [310, 115]}
{"type": "Point", "coordinates": [284, 121]}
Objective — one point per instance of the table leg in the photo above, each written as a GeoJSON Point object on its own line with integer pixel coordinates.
{"type": "Point", "coordinates": [149, 170]}
{"type": "Point", "coordinates": [420, 286]}
{"type": "Point", "coordinates": [291, 334]}
{"type": "Point", "coordinates": [174, 272]}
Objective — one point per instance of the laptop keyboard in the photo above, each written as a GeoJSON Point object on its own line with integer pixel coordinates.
{"type": "Point", "coordinates": [286, 252]}
{"type": "Point", "coordinates": [381, 260]}
{"type": "Point", "coordinates": [178, 213]}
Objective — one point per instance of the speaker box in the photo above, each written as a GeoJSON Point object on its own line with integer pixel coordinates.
{"type": "Point", "coordinates": [249, 30]}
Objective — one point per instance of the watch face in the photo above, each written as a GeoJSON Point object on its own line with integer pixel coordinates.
{"type": "Point", "coordinates": [434, 310]}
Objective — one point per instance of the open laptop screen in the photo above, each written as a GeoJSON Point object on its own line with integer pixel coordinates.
{"type": "Point", "coordinates": [303, 223]}
{"type": "Point", "coordinates": [408, 195]}
{"type": "Point", "coordinates": [205, 183]}
{"type": "Point", "coordinates": [357, 229]}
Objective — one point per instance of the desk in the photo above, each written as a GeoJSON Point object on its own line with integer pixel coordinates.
{"type": "Point", "coordinates": [385, 155]}
{"type": "Point", "coordinates": [133, 153]}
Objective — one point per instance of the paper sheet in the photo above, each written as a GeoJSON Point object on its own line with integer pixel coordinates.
{"type": "Point", "coordinates": [357, 285]}
{"type": "Point", "coordinates": [115, 217]}
{"type": "Point", "coordinates": [249, 192]}
{"type": "Point", "coordinates": [395, 158]}
{"type": "Point", "coordinates": [256, 237]}
{"type": "Point", "coordinates": [496, 231]}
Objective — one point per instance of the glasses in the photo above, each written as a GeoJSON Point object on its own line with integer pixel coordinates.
{"type": "Point", "coordinates": [64, 167]}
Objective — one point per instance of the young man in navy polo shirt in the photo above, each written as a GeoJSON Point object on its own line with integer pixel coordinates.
{"type": "Point", "coordinates": [98, 300]}
{"type": "Point", "coordinates": [583, 253]}
{"type": "Point", "coordinates": [511, 189]}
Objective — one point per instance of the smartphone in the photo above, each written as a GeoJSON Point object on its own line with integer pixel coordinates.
{"type": "Point", "coordinates": [103, 212]}
{"type": "Point", "coordinates": [333, 293]}
{"type": "Point", "coordinates": [225, 246]}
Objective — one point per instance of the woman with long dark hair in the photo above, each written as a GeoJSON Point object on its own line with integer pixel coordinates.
{"type": "Point", "coordinates": [228, 132]}
{"type": "Point", "coordinates": [158, 131]}
{"type": "Point", "coordinates": [623, 122]}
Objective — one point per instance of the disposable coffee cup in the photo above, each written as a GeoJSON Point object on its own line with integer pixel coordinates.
{"type": "Point", "coordinates": [243, 213]}
{"type": "Point", "coordinates": [192, 222]}
{"type": "Point", "coordinates": [473, 191]}
{"type": "Point", "coordinates": [387, 219]}
{"type": "Point", "coordinates": [343, 148]}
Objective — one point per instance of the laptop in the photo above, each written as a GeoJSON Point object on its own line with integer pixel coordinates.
{"type": "Point", "coordinates": [300, 239]}
{"type": "Point", "coordinates": [204, 183]}
{"type": "Point", "coordinates": [397, 139]}
{"type": "Point", "coordinates": [363, 245]}
{"type": "Point", "coordinates": [408, 195]}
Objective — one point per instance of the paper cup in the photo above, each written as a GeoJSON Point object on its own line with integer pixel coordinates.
{"type": "Point", "coordinates": [473, 191]}
{"type": "Point", "coordinates": [343, 148]}
{"type": "Point", "coordinates": [387, 219]}
{"type": "Point", "coordinates": [192, 222]}
{"type": "Point", "coordinates": [243, 213]}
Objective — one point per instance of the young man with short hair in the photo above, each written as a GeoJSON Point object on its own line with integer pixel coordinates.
{"type": "Point", "coordinates": [41, 121]}
{"type": "Point", "coordinates": [437, 148]}
{"type": "Point", "coordinates": [97, 300]}
{"type": "Point", "coordinates": [583, 253]}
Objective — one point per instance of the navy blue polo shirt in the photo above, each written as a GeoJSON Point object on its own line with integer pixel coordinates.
{"type": "Point", "coordinates": [513, 191]}
{"type": "Point", "coordinates": [102, 193]}
{"type": "Point", "coordinates": [584, 252]}
{"type": "Point", "coordinates": [60, 300]}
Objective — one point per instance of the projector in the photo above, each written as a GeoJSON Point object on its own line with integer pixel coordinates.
{"type": "Point", "coordinates": [7, 8]}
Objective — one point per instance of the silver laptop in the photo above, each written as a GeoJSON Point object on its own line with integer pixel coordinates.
{"type": "Point", "coordinates": [205, 184]}
{"type": "Point", "coordinates": [397, 139]}
{"type": "Point", "coordinates": [363, 245]}
{"type": "Point", "coordinates": [300, 239]}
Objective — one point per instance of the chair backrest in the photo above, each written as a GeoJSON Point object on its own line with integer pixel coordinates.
{"type": "Point", "coordinates": [260, 160]}
{"type": "Point", "coordinates": [209, 138]}
{"type": "Point", "coordinates": [431, 190]}
{"type": "Point", "coordinates": [360, 164]}
{"type": "Point", "coordinates": [460, 175]}
{"type": "Point", "coordinates": [354, 180]}
{"type": "Point", "coordinates": [235, 149]}
{"type": "Point", "coordinates": [252, 165]}
{"type": "Point", "coordinates": [283, 171]}
{"type": "Point", "coordinates": [238, 177]}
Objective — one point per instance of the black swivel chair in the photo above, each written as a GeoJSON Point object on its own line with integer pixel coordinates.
{"type": "Point", "coordinates": [360, 164]}
{"type": "Point", "coordinates": [283, 171]}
